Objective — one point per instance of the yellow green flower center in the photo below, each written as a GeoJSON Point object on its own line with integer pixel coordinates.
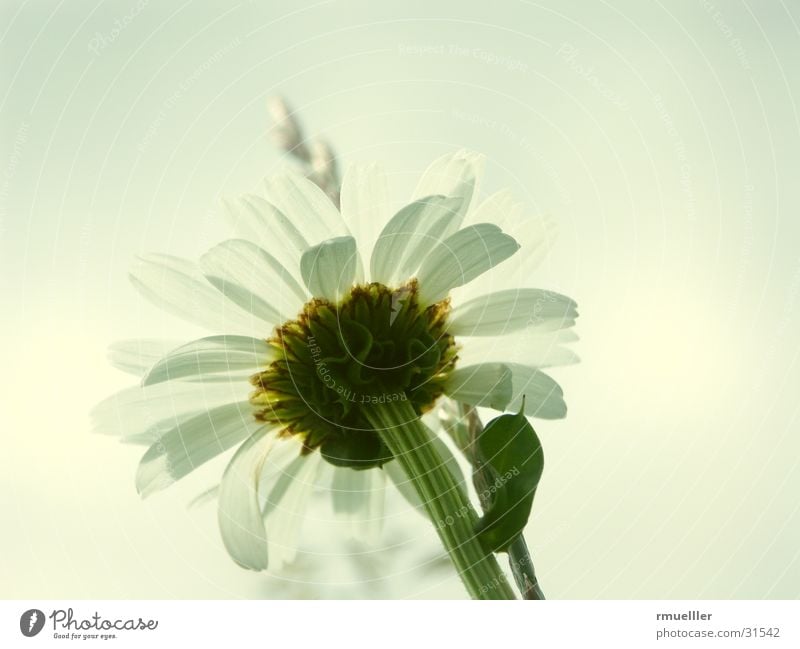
{"type": "Point", "coordinates": [376, 345]}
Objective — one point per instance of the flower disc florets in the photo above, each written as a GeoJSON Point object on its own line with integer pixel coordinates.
{"type": "Point", "coordinates": [376, 345]}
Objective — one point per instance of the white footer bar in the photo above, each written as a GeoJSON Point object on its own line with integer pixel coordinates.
{"type": "Point", "coordinates": [385, 625]}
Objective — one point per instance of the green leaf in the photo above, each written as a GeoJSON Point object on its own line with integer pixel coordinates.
{"type": "Point", "coordinates": [511, 453]}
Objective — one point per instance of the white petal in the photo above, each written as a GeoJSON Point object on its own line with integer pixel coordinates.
{"type": "Point", "coordinates": [359, 497]}
{"type": "Point", "coordinates": [493, 209]}
{"type": "Point", "coordinates": [213, 358]}
{"type": "Point", "coordinates": [487, 384]}
{"type": "Point", "coordinates": [462, 257]}
{"type": "Point", "coordinates": [330, 268]}
{"type": "Point", "coordinates": [193, 442]}
{"type": "Point", "coordinates": [506, 311]}
{"type": "Point", "coordinates": [566, 336]}
{"type": "Point", "coordinates": [454, 174]}
{"type": "Point", "coordinates": [142, 415]}
{"type": "Point", "coordinates": [536, 234]}
{"type": "Point", "coordinates": [306, 206]}
{"type": "Point", "coordinates": [254, 279]}
{"type": "Point", "coordinates": [256, 219]}
{"type": "Point", "coordinates": [408, 235]}
{"type": "Point", "coordinates": [543, 396]}
{"type": "Point", "coordinates": [365, 203]}
{"type": "Point", "coordinates": [427, 237]}
{"type": "Point", "coordinates": [204, 497]}
{"type": "Point", "coordinates": [138, 355]}
{"type": "Point", "coordinates": [177, 286]}
{"type": "Point", "coordinates": [239, 510]}
{"type": "Point", "coordinates": [286, 506]}
{"type": "Point", "coordinates": [526, 347]}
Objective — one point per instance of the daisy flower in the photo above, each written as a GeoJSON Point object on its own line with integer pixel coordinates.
{"type": "Point", "coordinates": [337, 335]}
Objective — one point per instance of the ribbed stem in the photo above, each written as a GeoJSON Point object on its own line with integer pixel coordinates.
{"type": "Point", "coordinates": [445, 502]}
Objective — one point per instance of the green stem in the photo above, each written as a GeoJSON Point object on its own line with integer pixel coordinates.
{"type": "Point", "coordinates": [519, 559]}
{"type": "Point", "coordinates": [445, 501]}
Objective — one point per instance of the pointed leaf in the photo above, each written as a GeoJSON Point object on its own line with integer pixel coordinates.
{"type": "Point", "coordinates": [512, 453]}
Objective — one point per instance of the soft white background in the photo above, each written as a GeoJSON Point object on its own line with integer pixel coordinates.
{"type": "Point", "coordinates": [663, 137]}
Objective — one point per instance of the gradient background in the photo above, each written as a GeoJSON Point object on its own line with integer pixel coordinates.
{"type": "Point", "coordinates": [664, 138]}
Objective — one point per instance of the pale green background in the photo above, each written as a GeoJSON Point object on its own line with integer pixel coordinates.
{"type": "Point", "coordinates": [667, 147]}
